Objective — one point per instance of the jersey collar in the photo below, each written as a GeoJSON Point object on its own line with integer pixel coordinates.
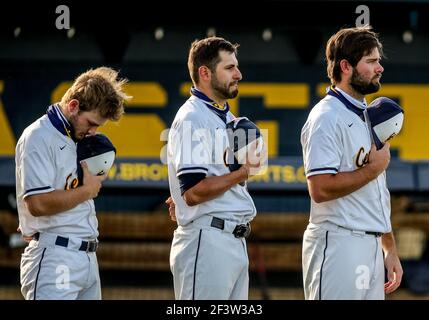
{"type": "Point", "coordinates": [59, 121]}
{"type": "Point", "coordinates": [356, 102]}
{"type": "Point", "coordinates": [213, 106]}
{"type": "Point", "coordinates": [332, 91]}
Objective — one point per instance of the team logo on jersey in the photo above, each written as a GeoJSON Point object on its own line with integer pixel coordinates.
{"type": "Point", "coordinates": [72, 182]}
{"type": "Point", "coordinates": [361, 158]}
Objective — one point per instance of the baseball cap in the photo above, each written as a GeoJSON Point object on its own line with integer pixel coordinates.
{"type": "Point", "coordinates": [384, 118]}
{"type": "Point", "coordinates": [98, 152]}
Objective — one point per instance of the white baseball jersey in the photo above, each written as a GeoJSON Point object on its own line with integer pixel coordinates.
{"type": "Point", "coordinates": [194, 148]}
{"type": "Point", "coordinates": [335, 139]}
{"type": "Point", "coordinates": [46, 161]}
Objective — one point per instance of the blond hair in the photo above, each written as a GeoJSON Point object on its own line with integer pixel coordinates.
{"type": "Point", "coordinates": [99, 89]}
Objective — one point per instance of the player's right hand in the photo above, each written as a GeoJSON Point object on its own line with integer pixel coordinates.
{"type": "Point", "coordinates": [256, 161]}
{"type": "Point", "coordinates": [90, 182]}
{"type": "Point", "coordinates": [379, 159]}
{"type": "Point", "coordinates": [171, 208]}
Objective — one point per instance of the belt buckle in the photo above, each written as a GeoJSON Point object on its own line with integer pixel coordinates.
{"type": "Point", "coordinates": [92, 246]}
{"type": "Point", "coordinates": [88, 246]}
{"type": "Point", "coordinates": [85, 246]}
{"type": "Point", "coordinates": [242, 230]}
{"type": "Point", "coordinates": [377, 234]}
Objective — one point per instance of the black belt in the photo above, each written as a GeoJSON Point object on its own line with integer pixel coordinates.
{"type": "Point", "coordinates": [375, 234]}
{"type": "Point", "coordinates": [88, 246]}
{"type": "Point", "coordinates": [240, 230]}
{"type": "Point", "coordinates": [372, 233]}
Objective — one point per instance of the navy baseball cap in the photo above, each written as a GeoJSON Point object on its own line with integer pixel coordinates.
{"type": "Point", "coordinates": [241, 132]}
{"type": "Point", "coordinates": [94, 145]}
{"type": "Point", "coordinates": [384, 118]}
{"type": "Point", "coordinates": [98, 152]}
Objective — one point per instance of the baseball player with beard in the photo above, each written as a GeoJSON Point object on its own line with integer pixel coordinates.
{"type": "Point", "coordinates": [213, 207]}
{"type": "Point", "coordinates": [349, 239]}
{"type": "Point", "coordinates": [55, 209]}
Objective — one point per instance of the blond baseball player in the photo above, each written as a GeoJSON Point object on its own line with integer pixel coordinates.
{"type": "Point", "coordinates": [55, 209]}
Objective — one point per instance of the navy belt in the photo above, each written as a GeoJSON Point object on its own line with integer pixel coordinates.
{"type": "Point", "coordinates": [88, 246]}
{"type": "Point", "coordinates": [372, 233]}
{"type": "Point", "coordinates": [375, 234]}
{"type": "Point", "coordinates": [240, 230]}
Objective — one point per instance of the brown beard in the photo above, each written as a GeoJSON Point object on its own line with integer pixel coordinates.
{"type": "Point", "coordinates": [73, 120]}
{"type": "Point", "coordinates": [362, 86]}
{"type": "Point", "coordinates": [222, 90]}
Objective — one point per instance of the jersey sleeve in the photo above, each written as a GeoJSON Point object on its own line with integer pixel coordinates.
{"type": "Point", "coordinates": [321, 145]}
{"type": "Point", "coordinates": [37, 168]}
{"type": "Point", "coordinates": [188, 180]}
{"type": "Point", "coordinates": [189, 147]}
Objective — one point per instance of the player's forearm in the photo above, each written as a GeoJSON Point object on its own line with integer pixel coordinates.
{"type": "Point", "coordinates": [57, 201]}
{"type": "Point", "coordinates": [329, 187]}
{"type": "Point", "coordinates": [212, 187]}
{"type": "Point", "coordinates": [388, 243]}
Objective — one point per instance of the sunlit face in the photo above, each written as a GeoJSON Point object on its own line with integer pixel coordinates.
{"type": "Point", "coordinates": [86, 123]}
{"type": "Point", "coordinates": [224, 80]}
{"type": "Point", "coordinates": [366, 75]}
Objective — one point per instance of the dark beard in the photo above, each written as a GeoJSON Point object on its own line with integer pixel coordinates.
{"type": "Point", "coordinates": [362, 87]}
{"type": "Point", "coordinates": [72, 121]}
{"type": "Point", "coordinates": [222, 91]}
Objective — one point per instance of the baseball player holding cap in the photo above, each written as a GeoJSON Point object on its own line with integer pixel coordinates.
{"type": "Point", "coordinates": [213, 208]}
{"type": "Point", "coordinates": [349, 239]}
{"type": "Point", "coordinates": [55, 207]}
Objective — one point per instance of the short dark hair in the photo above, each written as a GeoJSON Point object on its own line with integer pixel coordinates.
{"type": "Point", "coordinates": [350, 44]}
{"type": "Point", "coordinates": [205, 52]}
